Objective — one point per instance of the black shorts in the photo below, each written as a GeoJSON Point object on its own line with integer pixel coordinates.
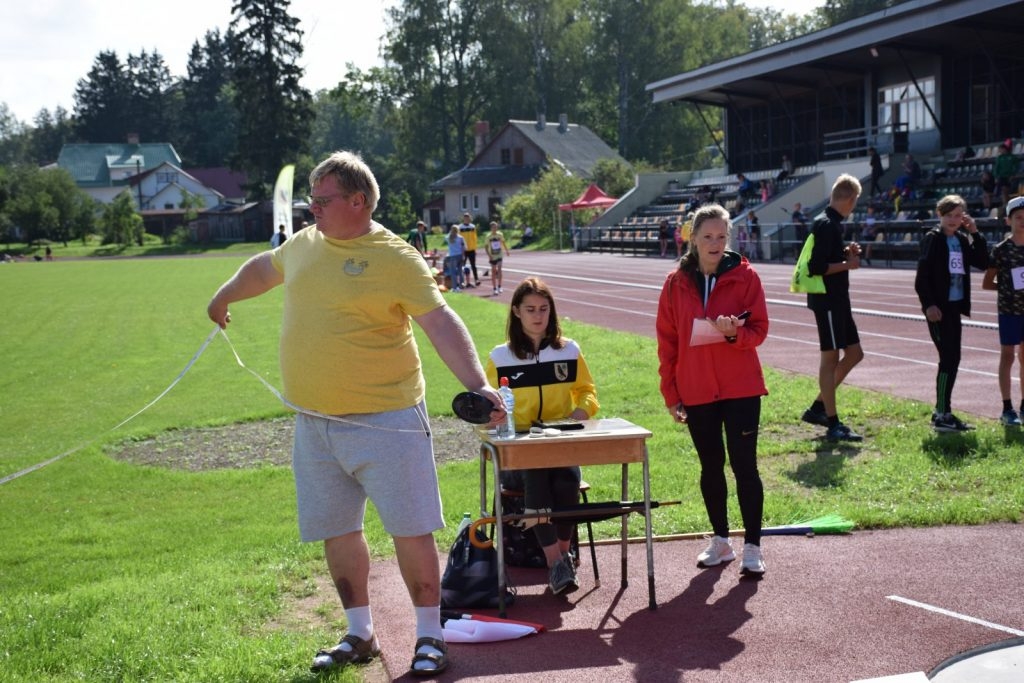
{"type": "Point", "coordinates": [836, 329]}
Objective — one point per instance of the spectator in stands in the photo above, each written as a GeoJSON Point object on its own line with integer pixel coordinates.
{"type": "Point", "coordinates": [741, 237]}
{"type": "Point", "coordinates": [1004, 168]}
{"type": "Point", "coordinates": [714, 383]}
{"type": "Point", "coordinates": [876, 171]}
{"type": "Point", "coordinates": [682, 236]}
{"type": "Point", "coordinates": [943, 285]}
{"type": "Point", "coordinates": [787, 169]}
{"type": "Point", "coordinates": [833, 312]}
{"type": "Point", "coordinates": [754, 235]}
{"type": "Point", "coordinates": [988, 189]}
{"type": "Point", "coordinates": [767, 190]}
{"type": "Point", "coordinates": [799, 223]}
{"type": "Point", "coordinates": [1008, 258]}
{"type": "Point", "coordinates": [745, 188]}
{"type": "Point", "coordinates": [868, 232]}
{"type": "Point", "coordinates": [908, 181]}
{"type": "Point", "coordinates": [664, 233]}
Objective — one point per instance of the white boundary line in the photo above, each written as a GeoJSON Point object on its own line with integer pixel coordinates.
{"type": "Point", "coordinates": [956, 615]}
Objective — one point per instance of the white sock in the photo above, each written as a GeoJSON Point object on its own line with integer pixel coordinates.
{"type": "Point", "coordinates": [428, 625]}
{"type": "Point", "coordinates": [360, 624]}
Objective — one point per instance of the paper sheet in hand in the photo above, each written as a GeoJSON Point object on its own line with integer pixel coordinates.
{"type": "Point", "coordinates": [705, 332]}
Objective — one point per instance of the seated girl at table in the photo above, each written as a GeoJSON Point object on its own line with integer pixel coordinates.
{"type": "Point", "coordinates": [550, 381]}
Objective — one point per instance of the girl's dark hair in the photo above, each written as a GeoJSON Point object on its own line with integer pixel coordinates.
{"type": "Point", "coordinates": [520, 344]}
{"type": "Point", "coordinates": [708, 211]}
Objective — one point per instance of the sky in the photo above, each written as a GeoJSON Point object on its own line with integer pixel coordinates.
{"type": "Point", "coordinates": [47, 46]}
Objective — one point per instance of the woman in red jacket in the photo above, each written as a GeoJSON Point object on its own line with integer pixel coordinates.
{"type": "Point", "coordinates": [712, 316]}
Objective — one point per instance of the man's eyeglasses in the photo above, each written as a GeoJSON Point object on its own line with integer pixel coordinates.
{"type": "Point", "coordinates": [323, 201]}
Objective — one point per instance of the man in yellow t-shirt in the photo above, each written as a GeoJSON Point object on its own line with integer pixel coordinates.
{"type": "Point", "coordinates": [468, 232]}
{"type": "Point", "coordinates": [350, 365]}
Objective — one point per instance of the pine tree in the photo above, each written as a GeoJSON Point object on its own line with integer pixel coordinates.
{"type": "Point", "coordinates": [275, 111]}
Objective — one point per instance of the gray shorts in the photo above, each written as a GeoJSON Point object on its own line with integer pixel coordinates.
{"type": "Point", "coordinates": [387, 458]}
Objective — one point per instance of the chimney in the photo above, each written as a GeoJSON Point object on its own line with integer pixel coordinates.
{"type": "Point", "coordinates": [563, 123]}
{"type": "Point", "coordinates": [542, 122]}
{"type": "Point", "coordinates": [132, 138]}
{"type": "Point", "coordinates": [481, 130]}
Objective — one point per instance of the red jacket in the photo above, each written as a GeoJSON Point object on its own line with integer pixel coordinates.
{"type": "Point", "coordinates": [711, 372]}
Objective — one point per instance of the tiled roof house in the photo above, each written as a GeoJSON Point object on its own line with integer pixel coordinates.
{"type": "Point", "coordinates": [513, 158]}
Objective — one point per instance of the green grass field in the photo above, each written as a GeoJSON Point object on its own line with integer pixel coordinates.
{"type": "Point", "coordinates": [116, 572]}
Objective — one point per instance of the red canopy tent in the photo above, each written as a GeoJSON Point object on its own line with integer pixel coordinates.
{"type": "Point", "coordinates": [592, 198]}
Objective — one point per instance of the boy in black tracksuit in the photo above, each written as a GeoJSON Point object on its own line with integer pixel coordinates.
{"type": "Point", "coordinates": [943, 285]}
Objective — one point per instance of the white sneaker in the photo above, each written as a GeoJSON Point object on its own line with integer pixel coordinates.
{"type": "Point", "coordinates": [718, 551]}
{"type": "Point", "coordinates": [753, 563]}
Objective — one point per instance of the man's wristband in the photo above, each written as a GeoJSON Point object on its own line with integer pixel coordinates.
{"type": "Point", "coordinates": [731, 340]}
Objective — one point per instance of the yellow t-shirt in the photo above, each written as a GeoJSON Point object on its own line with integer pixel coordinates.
{"type": "Point", "coordinates": [468, 232]}
{"type": "Point", "coordinates": [346, 335]}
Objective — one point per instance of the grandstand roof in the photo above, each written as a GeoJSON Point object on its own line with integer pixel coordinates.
{"type": "Point", "coordinates": [846, 51]}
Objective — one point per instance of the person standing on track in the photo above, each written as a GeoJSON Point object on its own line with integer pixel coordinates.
{"type": "Point", "coordinates": [494, 245]}
{"type": "Point", "coordinates": [713, 381]}
{"type": "Point", "coordinates": [833, 260]}
{"type": "Point", "coordinates": [943, 285]}
{"type": "Point", "coordinates": [1004, 276]}
{"type": "Point", "coordinates": [468, 232]}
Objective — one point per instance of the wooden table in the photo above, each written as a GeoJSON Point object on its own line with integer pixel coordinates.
{"type": "Point", "coordinates": [600, 442]}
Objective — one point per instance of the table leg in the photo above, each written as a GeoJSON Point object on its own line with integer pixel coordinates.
{"type": "Point", "coordinates": [483, 481]}
{"type": "Point", "coordinates": [499, 538]}
{"type": "Point", "coordinates": [652, 604]}
{"type": "Point", "coordinates": [625, 527]}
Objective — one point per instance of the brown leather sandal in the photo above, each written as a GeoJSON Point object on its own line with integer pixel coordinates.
{"type": "Point", "coordinates": [440, 661]}
{"type": "Point", "coordinates": [362, 651]}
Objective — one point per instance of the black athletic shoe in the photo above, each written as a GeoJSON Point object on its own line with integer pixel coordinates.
{"type": "Point", "coordinates": [815, 417]}
{"type": "Point", "coordinates": [841, 432]}
{"type": "Point", "coordinates": [948, 423]}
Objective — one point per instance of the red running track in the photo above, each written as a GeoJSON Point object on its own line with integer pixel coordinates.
{"type": "Point", "coordinates": [621, 293]}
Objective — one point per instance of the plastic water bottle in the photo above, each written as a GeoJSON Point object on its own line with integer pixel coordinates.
{"type": "Point", "coordinates": [467, 521]}
{"type": "Point", "coordinates": [508, 429]}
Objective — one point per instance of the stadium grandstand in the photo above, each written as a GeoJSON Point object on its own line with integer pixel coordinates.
{"type": "Point", "coordinates": [941, 81]}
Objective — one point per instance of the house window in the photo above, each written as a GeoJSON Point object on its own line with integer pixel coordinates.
{"type": "Point", "coordinates": [463, 202]}
{"type": "Point", "coordinates": [901, 104]}
{"type": "Point", "coordinates": [506, 156]}
{"type": "Point", "coordinates": [476, 202]}
{"type": "Point", "coordinates": [517, 156]}
{"type": "Point", "coordinates": [167, 177]}
{"type": "Point", "coordinates": [168, 206]}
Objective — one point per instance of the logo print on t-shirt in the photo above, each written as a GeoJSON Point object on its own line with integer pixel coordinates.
{"type": "Point", "coordinates": [353, 268]}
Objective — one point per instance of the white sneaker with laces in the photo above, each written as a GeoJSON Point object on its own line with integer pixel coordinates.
{"type": "Point", "coordinates": [717, 552]}
{"type": "Point", "coordinates": [752, 563]}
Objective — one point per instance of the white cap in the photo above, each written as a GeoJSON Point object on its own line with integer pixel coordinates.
{"type": "Point", "coordinates": [1014, 204]}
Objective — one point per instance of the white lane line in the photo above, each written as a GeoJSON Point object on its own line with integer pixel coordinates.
{"type": "Point", "coordinates": [779, 302]}
{"type": "Point", "coordinates": [956, 615]}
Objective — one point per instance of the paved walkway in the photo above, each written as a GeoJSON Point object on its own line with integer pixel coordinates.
{"type": "Point", "coordinates": [830, 608]}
